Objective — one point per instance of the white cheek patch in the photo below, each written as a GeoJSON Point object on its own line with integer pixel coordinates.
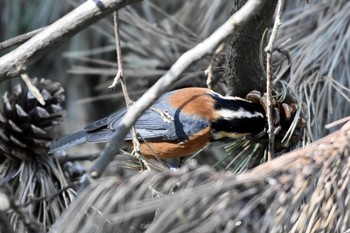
{"type": "Point", "coordinates": [227, 97]}
{"type": "Point", "coordinates": [228, 114]}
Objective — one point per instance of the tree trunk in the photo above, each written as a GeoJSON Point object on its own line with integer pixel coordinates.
{"type": "Point", "coordinates": [243, 71]}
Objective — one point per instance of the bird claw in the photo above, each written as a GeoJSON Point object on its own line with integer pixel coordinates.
{"type": "Point", "coordinates": [284, 113]}
{"type": "Point", "coordinates": [254, 96]}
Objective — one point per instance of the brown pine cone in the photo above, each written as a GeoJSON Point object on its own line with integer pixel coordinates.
{"type": "Point", "coordinates": [26, 124]}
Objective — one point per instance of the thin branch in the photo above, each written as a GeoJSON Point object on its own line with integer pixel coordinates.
{"type": "Point", "coordinates": [269, 73]}
{"type": "Point", "coordinates": [120, 72]}
{"type": "Point", "coordinates": [66, 157]}
{"type": "Point", "coordinates": [236, 21]}
{"type": "Point", "coordinates": [120, 76]}
{"type": "Point", "coordinates": [51, 196]}
{"type": "Point", "coordinates": [19, 39]}
{"type": "Point", "coordinates": [52, 36]}
{"type": "Point", "coordinates": [32, 225]}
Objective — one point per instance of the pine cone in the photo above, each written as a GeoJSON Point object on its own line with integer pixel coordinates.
{"type": "Point", "coordinates": [26, 124]}
{"type": "Point", "coordinates": [27, 130]}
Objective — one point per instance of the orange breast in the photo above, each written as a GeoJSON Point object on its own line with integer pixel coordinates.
{"type": "Point", "coordinates": [174, 149]}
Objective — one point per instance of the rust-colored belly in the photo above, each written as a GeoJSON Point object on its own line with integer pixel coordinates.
{"type": "Point", "coordinates": [176, 149]}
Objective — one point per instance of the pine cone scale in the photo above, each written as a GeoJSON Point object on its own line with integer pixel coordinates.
{"type": "Point", "coordinates": [26, 123]}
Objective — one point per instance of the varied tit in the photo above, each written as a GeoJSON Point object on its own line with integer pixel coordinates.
{"type": "Point", "coordinates": [179, 123]}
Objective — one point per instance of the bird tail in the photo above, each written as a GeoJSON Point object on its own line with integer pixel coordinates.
{"type": "Point", "coordinates": [68, 141]}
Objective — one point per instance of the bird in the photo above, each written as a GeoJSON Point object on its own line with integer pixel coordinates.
{"type": "Point", "coordinates": [178, 124]}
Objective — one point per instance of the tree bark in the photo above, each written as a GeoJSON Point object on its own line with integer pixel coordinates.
{"type": "Point", "coordinates": [243, 71]}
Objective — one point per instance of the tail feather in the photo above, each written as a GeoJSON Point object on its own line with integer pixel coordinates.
{"type": "Point", "coordinates": [68, 141]}
{"type": "Point", "coordinates": [104, 135]}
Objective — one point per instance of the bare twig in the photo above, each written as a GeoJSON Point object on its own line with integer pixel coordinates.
{"type": "Point", "coordinates": [120, 71]}
{"type": "Point", "coordinates": [154, 153]}
{"type": "Point", "coordinates": [33, 89]}
{"type": "Point", "coordinates": [120, 76]}
{"type": "Point", "coordinates": [51, 196]}
{"type": "Point", "coordinates": [209, 45]}
{"type": "Point", "coordinates": [269, 73]}
{"type": "Point", "coordinates": [86, 14]}
{"type": "Point", "coordinates": [28, 220]}
{"type": "Point", "coordinates": [19, 39]}
{"type": "Point", "coordinates": [32, 225]}
{"type": "Point", "coordinates": [67, 157]}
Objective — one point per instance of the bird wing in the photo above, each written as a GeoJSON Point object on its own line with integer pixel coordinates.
{"type": "Point", "coordinates": [162, 122]}
{"type": "Point", "coordinates": [104, 122]}
{"type": "Point", "coordinates": [151, 127]}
